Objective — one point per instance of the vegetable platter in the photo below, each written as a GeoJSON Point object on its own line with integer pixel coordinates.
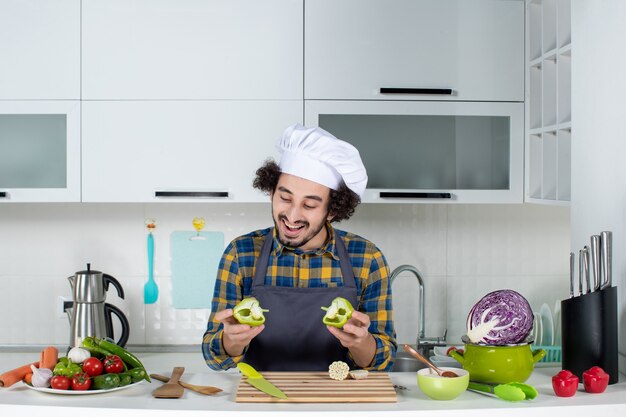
{"type": "Point", "coordinates": [95, 367]}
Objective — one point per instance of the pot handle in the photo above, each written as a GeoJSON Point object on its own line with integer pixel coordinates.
{"type": "Point", "coordinates": [458, 356]}
{"type": "Point", "coordinates": [109, 310]}
{"type": "Point", "coordinates": [538, 355]}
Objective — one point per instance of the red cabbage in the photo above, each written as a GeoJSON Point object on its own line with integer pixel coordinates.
{"type": "Point", "coordinates": [502, 317]}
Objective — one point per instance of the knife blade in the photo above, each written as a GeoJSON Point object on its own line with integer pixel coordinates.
{"type": "Point", "coordinates": [257, 381]}
{"type": "Point", "coordinates": [586, 268]}
{"type": "Point", "coordinates": [571, 275]}
{"type": "Point", "coordinates": [606, 255]}
{"type": "Point", "coordinates": [595, 261]}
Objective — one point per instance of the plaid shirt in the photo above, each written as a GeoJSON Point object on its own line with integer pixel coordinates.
{"type": "Point", "coordinates": [294, 268]}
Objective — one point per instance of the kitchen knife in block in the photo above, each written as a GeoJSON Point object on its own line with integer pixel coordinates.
{"type": "Point", "coordinates": [171, 389]}
{"type": "Point", "coordinates": [257, 381]}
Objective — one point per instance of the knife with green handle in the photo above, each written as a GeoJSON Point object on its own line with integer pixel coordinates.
{"type": "Point", "coordinates": [257, 381]}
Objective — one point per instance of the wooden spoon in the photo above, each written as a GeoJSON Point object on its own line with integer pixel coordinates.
{"type": "Point", "coordinates": [202, 389]}
{"type": "Point", "coordinates": [421, 358]}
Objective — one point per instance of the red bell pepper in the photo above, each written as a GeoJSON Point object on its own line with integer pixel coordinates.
{"type": "Point", "coordinates": [595, 380]}
{"type": "Point", "coordinates": [565, 384]}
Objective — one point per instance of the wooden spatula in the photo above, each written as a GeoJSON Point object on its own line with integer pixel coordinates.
{"type": "Point", "coordinates": [202, 389]}
{"type": "Point", "coordinates": [171, 389]}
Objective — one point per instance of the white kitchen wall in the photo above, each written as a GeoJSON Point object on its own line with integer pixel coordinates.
{"type": "Point", "coordinates": [462, 251]}
{"type": "Point", "coordinates": [599, 135]}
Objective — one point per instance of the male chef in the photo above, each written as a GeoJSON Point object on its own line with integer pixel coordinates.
{"type": "Point", "coordinates": [300, 265]}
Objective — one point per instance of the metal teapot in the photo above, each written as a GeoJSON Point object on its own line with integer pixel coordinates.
{"type": "Point", "coordinates": [88, 313]}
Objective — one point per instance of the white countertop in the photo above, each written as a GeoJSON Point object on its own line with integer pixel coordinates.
{"type": "Point", "coordinates": [138, 401]}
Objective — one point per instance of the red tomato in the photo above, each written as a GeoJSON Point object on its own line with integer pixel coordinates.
{"type": "Point", "coordinates": [60, 382]}
{"type": "Point", "coordinates": [595, 380]}
{"type": "Point", "coordinates": [93, 366]}
{"type": "Point", "coordinates": [81, 382]}
{"type": "Point", "coordinates": [565, 384]}
{"type": "Point", "coordinates": [113, 364]}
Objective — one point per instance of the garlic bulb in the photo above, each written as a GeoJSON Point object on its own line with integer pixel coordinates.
{"type": "Point", "coordinates": [41, 377]}
{"type": "Point", "coordinates": [359, 374]}
{"type": "Point", "coordinates": [78, 354]}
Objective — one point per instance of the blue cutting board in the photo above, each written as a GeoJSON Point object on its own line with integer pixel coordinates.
{"type": "Point", "coordinates": [194, 267]}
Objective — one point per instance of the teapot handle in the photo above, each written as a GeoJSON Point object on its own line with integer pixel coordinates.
{"type": "Point", "coordinates": [458, 356]}
{"type": "Point", "coordinates": [538, 355]}
{"type": "Point", "coordinates": [110, 309]}
{"type": "Point", "coordinates": [108, 279]}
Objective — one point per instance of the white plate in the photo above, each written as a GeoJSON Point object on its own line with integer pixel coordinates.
{"type": "Point", "coordinates": [547, 322]}
{"type": "Point", "coordinates": [88, 392]}
{"type": "Point", "coordinates": [557, 323]}
{"type": "Point", "coordinates": [441, 350]}
{"type": "Point", "coordinates": [537, 329]}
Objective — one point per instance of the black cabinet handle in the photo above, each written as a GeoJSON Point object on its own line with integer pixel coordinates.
{"type": "Point", "coordinates": [3, 194]}
{"type": "Point", "coordinates": [192, 194]}
{"type": "Point", "coordinates": [399, 194]}
{"type": "Point", "coordinates": [431, 91]}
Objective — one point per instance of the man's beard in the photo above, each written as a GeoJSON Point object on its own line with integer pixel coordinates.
{"type": "Point", "coordinates": [303, 240]}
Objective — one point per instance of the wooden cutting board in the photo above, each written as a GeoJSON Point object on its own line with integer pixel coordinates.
{"type": "Point", "coordinates": [317, 387]}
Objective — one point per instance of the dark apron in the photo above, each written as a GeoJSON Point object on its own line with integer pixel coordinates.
{"type": "Point", "coordinates": [294, 338]}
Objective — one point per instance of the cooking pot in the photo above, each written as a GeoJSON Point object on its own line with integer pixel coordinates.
{"type": "Point", "coordinates": [498, 364]}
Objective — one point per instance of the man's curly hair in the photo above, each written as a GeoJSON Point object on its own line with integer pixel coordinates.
{"type": "Point", "coordinates": [342, 204]}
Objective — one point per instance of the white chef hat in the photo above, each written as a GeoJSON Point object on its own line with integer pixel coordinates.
{"type": "Point", "coordinates": [316, 155]}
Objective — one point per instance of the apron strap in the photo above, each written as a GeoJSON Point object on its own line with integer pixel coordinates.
{"type": "Point", "coordinates": [260, 271]}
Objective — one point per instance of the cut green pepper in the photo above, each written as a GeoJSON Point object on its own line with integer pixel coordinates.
{"type": "Point", "coordinates": [248, 311]}
{"type": "Point", "coordinates": [338, 313]}
{"type": "Point", "coordinates": [66, 367]}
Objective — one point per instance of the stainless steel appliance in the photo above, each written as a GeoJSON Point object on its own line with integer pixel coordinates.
{"type": "Point", "coordinates": [88, 313]}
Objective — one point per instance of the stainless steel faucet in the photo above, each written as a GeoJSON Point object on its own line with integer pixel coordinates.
{"type": "Point", "coordinates": [423, 344]}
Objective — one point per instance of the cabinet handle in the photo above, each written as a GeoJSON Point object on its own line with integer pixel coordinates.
{"type": "Point", "coordinates": [192, 194]}
{"type": "Point", "coordinates": [396, 194]}
{"type": "Point", "coordinates": [3, 194]}
{"type": "Point", "coordinates": [431, 91]}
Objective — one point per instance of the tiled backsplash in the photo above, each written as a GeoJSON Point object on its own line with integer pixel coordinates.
{"type": "Point", "coordinates": [462, 252]}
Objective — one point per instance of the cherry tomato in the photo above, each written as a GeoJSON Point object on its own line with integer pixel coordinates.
{"type": "Point", "coordinates": [565, 384]}
{"type": "Point", "coordinates": [60, 382]}
{"type": "Point", "coordinates": [81, 382]}
{"type": "Point", "coordinates": [595, 380]}
{"type": "Point", "coordinates": [93, 366]}
{"type": "Point", "coordinates": [113, 364]}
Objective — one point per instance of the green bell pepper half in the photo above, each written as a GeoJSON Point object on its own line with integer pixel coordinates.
{"type": "Point", "coordinates": [337, 313]}
{"type": "Point", "coordinates": [66, 367]}
{"type": "Point", "coordinates": [248, 311]}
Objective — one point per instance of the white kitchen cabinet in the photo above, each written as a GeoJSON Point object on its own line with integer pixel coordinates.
{"type": "Point", "coordinates": [39, 151]}
{"type": "Point", "coordinates": [548, 102]}
{"type": "Point", "coordinates": [353, 48]}
{"type": "Point", "coordinates": [431, 152]}
{"type": "Point", "coordinates": [184, 151]}
{"type": "Point", "coordinates": [40, 49]}
{"type": "Point", "coordinates": [192, 49]}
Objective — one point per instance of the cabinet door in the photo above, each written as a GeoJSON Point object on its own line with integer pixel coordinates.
{"type": "Point", "coordinates": [40, 49]}
{"type": "Point", "coordinates": [148, 151]}
{"type": "Point", "coordinates": [431, 152]}
{"type": "Point", "coordinates": [192, 49]}
{"type": "Point", "coordinates": [40, 151]}
{"type": "Point", "coordinates": [353, 48]}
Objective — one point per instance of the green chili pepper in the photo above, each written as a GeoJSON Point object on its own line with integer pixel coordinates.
{"type": "Point", "coordinates": [91, 344]}
{"type": "Point", "coordinates": [338, 313]}
{"type": "Point", "coordinates": [66, 368]}
{"type": "Point", "coordinates": [106, 381]}
{"type": "Point", "coordinates": [130, 361]}
{"type": "Point", "coordinates": [248, 311]}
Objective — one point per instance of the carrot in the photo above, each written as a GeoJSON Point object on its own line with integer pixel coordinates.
{"type": "Point", "coordinates": [28, 378]}
{"type": "Point", "coordinates": [49, 357]}
{"type": "Point", "coordinates": [14, 375]}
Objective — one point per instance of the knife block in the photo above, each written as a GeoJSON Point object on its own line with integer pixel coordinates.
{"type": "Point", "coordinates": [589, 333]}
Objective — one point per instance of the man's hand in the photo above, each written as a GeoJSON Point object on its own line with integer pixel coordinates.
{"type": "Point", "coordinates": [236, 336]}
{"type": "Point", "coordinates": [356, 337]}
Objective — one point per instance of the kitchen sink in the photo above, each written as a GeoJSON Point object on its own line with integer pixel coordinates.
{"type": "Point", "coordinates": [406, 363]}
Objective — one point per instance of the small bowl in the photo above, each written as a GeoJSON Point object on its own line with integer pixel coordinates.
{"type": "Point", "coordinates": [442, 388]}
